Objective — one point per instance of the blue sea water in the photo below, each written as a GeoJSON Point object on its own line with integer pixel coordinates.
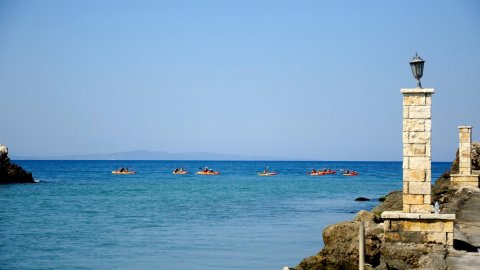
{"type": "Point", "coordinates": [80, 216]}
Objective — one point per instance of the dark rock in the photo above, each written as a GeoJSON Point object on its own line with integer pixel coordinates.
{"type": "Point", "coordinates": [463, 245]}
{"type": "Point", "coordinates": [12, 173]}
{"type": "Point", "coordinates": [362, 199]}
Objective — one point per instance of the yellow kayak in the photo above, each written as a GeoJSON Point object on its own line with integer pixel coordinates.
{"type": "Point", "coordinates": [208, 173]}
{"type": "Point", "coordinates": [267, 173]}
{"type": "Point", "coordinates": [119, 172]}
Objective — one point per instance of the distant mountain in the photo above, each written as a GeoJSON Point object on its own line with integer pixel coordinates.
{"type": "Point", "coordinates": [147, 155]}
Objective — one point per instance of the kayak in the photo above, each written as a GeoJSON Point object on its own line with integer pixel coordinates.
{"type": "Point", "coordinates": [267, 173]}
{"type": "Point", "coordinates": [119, 172]}
{"type": "Point", "coordinates": [208, 173]}
{"type": "Point", "coordinates": [322, 173]}
{"type": "Point", "coordinates": [350, 174]}
{"type": "Point", "coordinates": [181, 172]}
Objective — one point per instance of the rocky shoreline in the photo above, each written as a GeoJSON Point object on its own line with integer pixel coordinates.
{"type": "Point", "coordinates": [341, 239]}
{"type": "Point", "coordinates": [11, 173]}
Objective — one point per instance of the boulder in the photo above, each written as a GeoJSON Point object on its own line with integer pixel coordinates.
{"type": "Point", "coordinates": [364, 216]}
{"type": "Point", "coordinates": [412, 256]}
{"type": "Point", "coordinates": [341, 247]}
{"type": "Point", "coordinates": [392, 202]}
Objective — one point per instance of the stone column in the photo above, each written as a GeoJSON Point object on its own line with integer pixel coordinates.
{"type": "Point", "coordinates": [465, 177]}
{"type": "Point", "coordinates": [416, 223]}
{"type": "Point", "coordinates": [417, 157]}
{"type": "Point", "coordinates": [465, 149]}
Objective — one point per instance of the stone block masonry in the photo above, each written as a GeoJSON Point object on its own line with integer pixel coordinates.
{"type": "Point", "coordinates": [465, 149]}
{"type": "Point", "coordinates": [417, 157]}
{"type": "Point", "coordinates": [418, 228]}
{"type": "Point", "coordinates": [465, 177]}
{"type": "Point", "coordinates": [416, 223]}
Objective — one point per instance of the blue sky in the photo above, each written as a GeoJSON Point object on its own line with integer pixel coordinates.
{"type": "Point", "coordinates": [293, 79]}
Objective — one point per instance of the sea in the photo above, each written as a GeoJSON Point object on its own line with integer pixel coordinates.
{"type": "Point", "coordinates": [81, 216]}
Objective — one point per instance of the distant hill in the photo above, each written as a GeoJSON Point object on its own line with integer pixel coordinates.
{"type": "Point", "coordinates": [147, 155]}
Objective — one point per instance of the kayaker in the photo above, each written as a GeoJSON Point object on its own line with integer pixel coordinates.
{"type": "Point", "coordinates": [314, 171]}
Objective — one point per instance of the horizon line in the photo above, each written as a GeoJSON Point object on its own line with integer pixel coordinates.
{"type": "Point", "coordinates": [239, 160]}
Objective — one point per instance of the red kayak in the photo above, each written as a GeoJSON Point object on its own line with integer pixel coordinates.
{"type": "Point", "coordinates": [322, 173]}
{"type": "Point", "coordinates": [350, 174]}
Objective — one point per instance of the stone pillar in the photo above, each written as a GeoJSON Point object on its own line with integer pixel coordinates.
{"type": "Point", "coordinates": [416, 223]}
{"type": "Point", "coordinates": [465, 177]}
{"type": "Point", "coordinates": [417, 157]}
{"type": "Point", "coordinates": [465, 149]}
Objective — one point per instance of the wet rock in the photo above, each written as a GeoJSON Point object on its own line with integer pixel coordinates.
{"type": "Point", "coordinates": [362, 199]}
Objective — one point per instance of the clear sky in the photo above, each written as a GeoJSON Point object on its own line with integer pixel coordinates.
{"type": "Point", "coordinates": [292, 79]}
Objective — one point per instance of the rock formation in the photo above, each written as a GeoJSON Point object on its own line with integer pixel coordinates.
{"type": "Point", "coordinates": [341, 239]}
{"type": "Point", "coordinates": [12, 173]}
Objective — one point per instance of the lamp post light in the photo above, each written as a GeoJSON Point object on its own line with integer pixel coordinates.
{"type": "Point", "coordinates": [417, 68]}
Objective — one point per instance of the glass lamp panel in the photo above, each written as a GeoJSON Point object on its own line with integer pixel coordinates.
{"type": "Point", "coordinates": [412, 65]}
{"type": "Point", "coordinates": [420, 69]}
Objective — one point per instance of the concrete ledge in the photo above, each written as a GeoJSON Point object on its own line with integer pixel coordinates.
{"type": "Point", "coordinates": [465, 127]}
{"type": "Point", "coordinates": [417, 91]}
{"type": "Point", "coordinates": [403, 215]}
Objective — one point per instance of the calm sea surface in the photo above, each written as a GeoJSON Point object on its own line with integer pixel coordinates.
{"type": "Point", "coordinates": [82, 217]}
